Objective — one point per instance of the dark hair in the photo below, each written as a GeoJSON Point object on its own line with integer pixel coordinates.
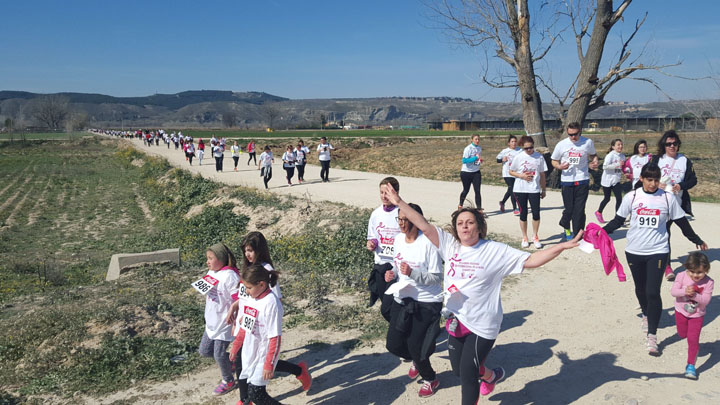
{"type": "Point", "coordinates": [613, 142]}
{"type": "Point", "coordinates": [574, 125]}
{"type": "Point", "coordinates": [524, 139]}
{"type": "Point", "coordinates": [474, 135]}
{"type": "Point", "coordinates": [697, 261]}
{"type": "Point", "coordinates": [636, 148]}
{"type": "Point", "coordinates": [323, 138]}
{"type": "Point", "coordinates": [661, 143]}
{"type": "Point", "coordinates": [256, 273]}
{"type": "Point", "coordinates": [266, 147]}
{"type": "Point", "coordinates": [391, 181]}
{"type": "Point", "coordinates": [651, 171]}
{"type": "Point", "coordinates": [257, 242]}
{"type": "Point", "coordinates": [418, 210]}
{"type": "Point", "coordinates": [289, 147]}
{"type": "Point", "coordinates": [510, 138]}
{"type": "Point", "coordinates": [479, 219]}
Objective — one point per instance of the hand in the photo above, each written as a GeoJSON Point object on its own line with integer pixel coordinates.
{"type": "Point", "coordinates": [689, 291]}
{"type": "Point", "coordinates": [574, 242]}
{"type": "Point", "coordinates": [230, 317]}
{"type": "Point", "coordinates": [370, 245]}
{"type": "Point", "coordinates": [676, 188]}
{"type": "Point", "coordinates": [391, 194]}
{"type": "Point", "coordinates": [704, 246]}
{"type": "Point", "coordinates": [527, 177]}
{"type": "Point", "coordinates": [504, 159]}
{"type": "Point", "coordinates": [389, 276]}
{"type": "Point", "coordinates": [542, 194]}
{"type": "Point", "coordinates": [405, 270]}
{"type": "Point", "coordinates": [564, 166]}
{"type": "Point", "coordinates": [268, 374]}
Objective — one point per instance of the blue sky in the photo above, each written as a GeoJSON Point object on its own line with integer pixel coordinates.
{"type": "Point", "coordinates": [308, 49]}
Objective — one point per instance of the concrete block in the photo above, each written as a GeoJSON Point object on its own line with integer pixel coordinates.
{"type": "Point", "coordinates": [121, 261]}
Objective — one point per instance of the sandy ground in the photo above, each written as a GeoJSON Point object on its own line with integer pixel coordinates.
{"type": "Point", "coordinates": [570, 334]}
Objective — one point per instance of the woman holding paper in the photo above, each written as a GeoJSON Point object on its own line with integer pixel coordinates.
{"type": "Point", "coordinates": [415, 312]}
{"type": "Point", "coordinates": [473, 274]}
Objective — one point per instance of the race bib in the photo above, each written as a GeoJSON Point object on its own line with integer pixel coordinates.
{"type": "Point", "coordinates": [648, 218]}
{"type": "Point", "coordinates": [386, 251]}
{"type": "Point", "coordinates": [574, 158]}
{"type": "Point", "coordinates": [205, 284]}
{"type": "Point", "coordinates": [249, 318]}
{"type": "Point", "coordinates": [242, 292]}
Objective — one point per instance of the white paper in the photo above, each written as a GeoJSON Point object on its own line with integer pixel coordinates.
{"type": "Point", "coordinates": [586, 247]}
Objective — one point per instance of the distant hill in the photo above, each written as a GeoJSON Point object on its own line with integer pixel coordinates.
{"type": "Point", "coordinates": [207, 108]}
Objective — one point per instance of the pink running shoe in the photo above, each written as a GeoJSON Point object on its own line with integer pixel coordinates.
{"type": "Point", "coordinates": [305, 378]}
{"type": "Point", "coordinates": [502, 206]}
{"type": "Point", "coordinates": [599, 217]}
{"type": "Point", "coordinates": [669, 275]}
{"type": "Point", "coordinates": [516, 212]}
{"type": "Point", "coordinates": [413, 373]}
{"type": "Point", "coordinates": [428, 388]}
{"type": "Point", "coordinates": [486, 387]}
{"type": "Point", "coordinates": [225, 387]}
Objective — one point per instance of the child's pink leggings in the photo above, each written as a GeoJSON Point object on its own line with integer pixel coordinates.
{"type": "Point", "coordinates": [689, 328]}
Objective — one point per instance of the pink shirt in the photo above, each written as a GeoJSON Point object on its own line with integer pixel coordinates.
{"type": "Point", "coordinates": [703, 298]}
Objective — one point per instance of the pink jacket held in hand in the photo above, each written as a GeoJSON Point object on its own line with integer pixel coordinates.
{"type": "Point", "coordinates": [602, 241]}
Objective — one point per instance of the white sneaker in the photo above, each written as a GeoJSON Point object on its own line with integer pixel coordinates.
{"type": "Point", "coordinates": [525, 243]}
{"type": "Point", "coordinates": [536, 242]}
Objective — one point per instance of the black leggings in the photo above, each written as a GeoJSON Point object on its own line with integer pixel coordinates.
{"type": "Point", "coordinates": [408, 343]}
{"type": "Point", "coordinates": [190, 157]}
{"type": "Point", "coordinates": [617, 191]}
{"type": "Point", "coordinates": [523, 199]}
{"type": "Point", "coordinates": [266, 172]}
{"type": "Point", "coordinates": [236, 159]}
{"type": "Point", "coordinates": [510, 181]}
{"type": "Point", "coordinates": [259, 395]}
{"type": "Point", "coordinates": [287, 367]}
{"type": "Point", "coordinates": [301, 171]}
{"type": "Point", "coordinates": [647, 272]}
{"type": "Point", "coordinates": [218, 163]}
{"type": "Point", "coordinates": [289, 173]}
{"type": "Point", "coordinates": [251, 157]}
{"type": "Point", "coordinates": [467, 357]}
{"type": "Point", "coordinates": [325, 170]}
{"type": "Point", "coordinates": [474, 178]}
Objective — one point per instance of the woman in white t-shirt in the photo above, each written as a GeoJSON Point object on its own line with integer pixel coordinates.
{"type": "Point", "coordinates": [473, 274]}
{"type": "Point", "coordinates": [634, 165]}
{"type": "Point", "coordinates": [470, 171]}
{"type": "Point", "coordinates": [265, 165]}
{"type": "Point", "coordinates": [505, 158]}
{"type": "Point", "coordinates": [415, 311]}
{"type": "Point", "coordinates": [190, 150]}
{"type": "Point", "coordinates": [648, 243]}
{"type": "Point", "coordinates": [235, 151]}
{"type": "Point", "coordinates": [288, 159]}
{"type": "Point", "coordinates": [610, 180]}
{"type": "Point", "coordinates": [529, 167]}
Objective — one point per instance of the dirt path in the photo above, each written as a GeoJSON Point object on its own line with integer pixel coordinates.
{"type": "Point", "coordinates": [570, 333]}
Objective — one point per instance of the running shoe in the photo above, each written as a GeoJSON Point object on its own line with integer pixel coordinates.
{"type": "Point", "coordinates": [245, 402]}
{"type": "Point", "coordinates": [669, 275]}
{"type": "Point", "coordinates": [502, 206]}
{"type": "Point", "coordinates": [567, 234]}
{"type": "Point", "coordinates": [652, 346]}
{"type": "Point", "coordinates": [516, 212]}
{"type": "Point", "coordinates": [304, 376]}
{"type": "Point", "coordinates": [428, 388]}
{"type": "Point", "coordinates": [525, 244]}
{"type": "Point", "coordinates": [225, 387]}
{"type": "Point", "coordinates": [690, 372]}
{"type": "Point", "coordinates": [599, 217]}
{"type": "Point", "coordinates": [413, 373]}
{"type": "Point", "coordinates": [644, 324]}
{"type": "Point", "coordinates": [536, 243]}
{"type": "Point", "coordinates": [486, 387]}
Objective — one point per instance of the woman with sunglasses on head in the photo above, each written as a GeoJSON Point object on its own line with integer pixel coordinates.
{"type": "Point", "coordinates": [677, 177]}
{"type": "Point", "coordinates": [529, 167]}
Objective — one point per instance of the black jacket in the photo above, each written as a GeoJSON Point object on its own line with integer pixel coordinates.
{"type": "Point", "coordinates": [688, 182]}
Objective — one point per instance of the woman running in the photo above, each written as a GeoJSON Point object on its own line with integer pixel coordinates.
{"type": "Point", "coordinates": [200, 151]}
{"type": "Point", "coordinates": [505, 157]}
{"type": "Point", "coordinates": [415, 312]}
{"type": "Point", "coordinates": [678, 176]}
{"type": "Point", "coordinates": [634, 165]}
{"type": "Point", "coordinates": [265, 165]}
{"type": "Point", "coordinates": [300, 160]}
{"type": "Point", "coordinates": [610, 181]}
{"type": "Point", "coordinates": [529, 168]}
{"type": "Point", "coordinates": [235, 151]}
{"type": "Point", "coordinates": [288, 159]}
{"type": "Point", "coordinates": [473, 274]}
{"type": "Point", "coordinates": [648, 243]}
{"type": "Point", "coordinates": [470, 172]}
{"type": "Point", "coordinates": [251, 152]}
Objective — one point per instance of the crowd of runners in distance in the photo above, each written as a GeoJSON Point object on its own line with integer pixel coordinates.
{"type": "Point", "coordinates": [422, 273]}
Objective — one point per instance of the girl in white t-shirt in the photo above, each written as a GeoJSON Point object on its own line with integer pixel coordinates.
{"type": "Point", "coordinates": [529, 167]}
{"type": "Point", "coordinates": [288, 159]}
{"type": "Point", "coordinates": [415, 311]}
{"type": "Point", "coordinates": [505, 158]}
{"type": "Point", "coordinates": [223, 275]}
{"type": "Point", "coordinates": [235, 151]}
{"type": "Point", "coordinates": [473, 274]}
{"type": "Point", "coordinates": [259, 333]}
{"type": "Point", "coordinates": [640, 158]}
{"type": "Point", "coordinates": [265, 165]}
{"type": "Point", "coordinates": [612, 173]}
{"type": "Point", "coordinates": [190, 150]}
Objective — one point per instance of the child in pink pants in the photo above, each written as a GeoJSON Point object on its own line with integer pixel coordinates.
{"type": "Point", "coordinates": [692, 290]}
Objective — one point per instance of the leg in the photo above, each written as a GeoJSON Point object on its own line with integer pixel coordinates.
{"type": "Point", "coordinates": [472, 367]}
{"type": "Point", "coordinates": [606, 198]}
{"type": "Point", "coordinates": [639, 275]}
{"type": "Point", "coordinates": [455, 349]}
{"type": "Point", "coordinates": [223, 359]}
{"type": "Point", "coordinates": [477, 182]}
{"type": "Point", "coordinates": [522, 200]}
{"type": "Point", "coordinates": [396, 341]}
{"type": "Point", "coordinates": [423, 319]}
{"type": "Point", "coordinates": [510, 181]}
{"type": "Point", "coordinates": [259, 396]}
{"type": "Point", "coordinates": [236, 159]}
{"type": "Point", "coordinates": [568, 197]}
{"type": "Point", "coordinates": [693, 338]}
{"type": "Point", "coordinates": [287, 367]}
{"type": "Point", "coordinates": [655, 266]}
{"type": "Point", "coordinates": [534, 199]}
{"type": "Point", "coordinates": [581, 196]}
{"type": "Point", "coordinates": [466, 179]}
{"type": "Point", "coordinates": [617, 191]}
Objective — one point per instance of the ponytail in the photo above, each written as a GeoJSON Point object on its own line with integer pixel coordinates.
{"type": "Point", "coordinates": [255, 273]}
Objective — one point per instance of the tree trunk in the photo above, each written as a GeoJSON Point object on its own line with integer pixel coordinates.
{"type": "Point", "coordinates": [531, 102]}
{"type": "Point", "coordinates": [587, 78]}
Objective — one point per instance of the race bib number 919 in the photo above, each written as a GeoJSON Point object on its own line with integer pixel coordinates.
{"type": "Point", "coordinates": [648, 218]}
{"type": "Point", "coordinates": [205, 284]}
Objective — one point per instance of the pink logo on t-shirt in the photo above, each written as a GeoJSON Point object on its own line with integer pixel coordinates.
{"type": "Point", "coordinates": [647, 211]}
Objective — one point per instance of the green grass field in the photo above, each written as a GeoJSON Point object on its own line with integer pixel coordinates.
{"type": "Point", "coordinates": [31, 136]}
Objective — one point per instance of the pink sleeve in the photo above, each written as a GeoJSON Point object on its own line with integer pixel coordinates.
{"type": "Point", "coordinates": [272, 354]}
{"type": "Point", "coordinates": [627, 168]}
{"type": "Point", "coordinates": [677, 289]}
{"type": "Point", "coordinates": [704, 297]}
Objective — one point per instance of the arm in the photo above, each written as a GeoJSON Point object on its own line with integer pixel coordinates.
{"type": "Point", "coordinates": [690, 233]}
{"type": "Point", "coordinates": [690, 179]}
{"type": "Point", "coordinates": [560, 166]}
{"type": "Point", "coordinates": [232, 312]}
{"type": "Point", "coordinates": [237, 344]}
{"type": "Point", "coordinates": [704, 297]}
{"type": "Point", "coordinates": [542, 257]}
{"type": "Point", "coordinates": [424, 278]}
{"type": "Point", "coordinates": [542, 184]}
{"type": "Point", "coordinates": [418, 220]}
{"type": "Point", "coordinates": [613, 225]}
{"type": "Point", "coordinates": [272, 354]}
{"type": "Point", "coordinates": [469, 159]}
{"type": "Point", "coordinates": [677, 289]}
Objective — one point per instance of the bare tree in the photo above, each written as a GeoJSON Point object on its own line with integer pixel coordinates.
{"type": "Point", "coordinates": [503, 28]}
{"type": "Point", "coordinates": [229, 118]}
{"type": "Point", "coordinates": [270, 113]}
{"type": "Point", "coordinates": [51, 110]}
{"type": "Point", "coordinates": [76, 121]}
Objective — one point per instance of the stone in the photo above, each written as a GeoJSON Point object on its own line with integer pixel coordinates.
{"type": "Point", "coordinates": [121, 261]}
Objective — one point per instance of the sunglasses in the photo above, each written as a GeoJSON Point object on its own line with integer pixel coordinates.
{"type": "Point", "coordinates": [529, 148]}
{"type": "Point", "coordinates": [671, 144]}
{"type": "Point", "coordinates": [575, 134]}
